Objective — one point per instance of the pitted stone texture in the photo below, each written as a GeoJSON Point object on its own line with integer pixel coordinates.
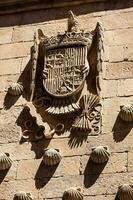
{"type": "Point", "coordinates": [116, 53]}
{"type": "Point", "coordinates": [10, 66]}
{"type": "Point", "coordinates": [8, 189]}
{"type": "Point", "coordinates": [125, 87]}
{"type": "Point", "coordinates": [110, 117]}
{"type": "Point", "coordinates": [97, 197]}
{"type": "Point", "coordinates": [67, 146]}
{"type": "Point", "coordinates": [119, 37]}
{"type": "Point", "coordinates": [117, 163]}
{"type": "Point", "coordinates": [18, 151]}
{"type": "Point", "coordinates": [9, 133]}
{"type": "Point", "coordinates": [12, 172]}
{"type": "Point", "coordinates": [109, 139]}
{"type": "Point", "coordinates": [6, 81]}
{"type": "Point", "coordinates": [130, 161]}
{"type": "Point", "coordinates": [36, 169]}
{"type": "Point", "coordinates": [61, 184]}
{"type": "Point", "coordinates": [109, 88]}
{"type": "Point", "coordinates": [23, 33]}
{"type": "Point", "coordinates": [15, 50]}
{"type": "Point", "coordinates": [5, 35]}
{"type": "Point", "coordinates": [119, 70]}
{"type": "Point", "coordinates": [106, 183]}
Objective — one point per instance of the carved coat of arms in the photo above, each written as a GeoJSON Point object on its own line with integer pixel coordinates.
{"type": "Point", "coordinates": [65, 65]}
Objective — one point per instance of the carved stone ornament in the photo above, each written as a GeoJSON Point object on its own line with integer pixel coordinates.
{"type": "Point", "coordinates": [31, 130]}
{"type": "Point", "coordinates": [125, 192]}
{"type": "Point", "coordinates": [73, 194]}
{"type": "Point", "coordinates": [15, 89]}
{"type": "Point", "coordinates": [5, 161]}
{"type": "Point", "coordinates": [22, 196]}
{"type": "Point", "coordinates": [65, 71]}
{"type": "Point", "coordinates": [51, 157]}
{"type": "Point", "coordinates": [65, 65]}
{"type": "Point", "coordinates": [90, 116]}
{"type": "Point", "coordinates": [100, 154]}
{"type": "Point", "coordinates": [58, 129]}
{"type": "Point", "coordinates": [126, 113]}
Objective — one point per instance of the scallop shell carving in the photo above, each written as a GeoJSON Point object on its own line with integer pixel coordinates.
{"type": "Point", "coordinates": [125, 192]}
{"type": "Point", "coordinates": [126, 113]}
{"type": "Point", "coordinates": [87, 103]}
{"type": "Point", "coordinates": [51, 157]}
{"type": "Point", "coordinates": [63, 106]}
{"type": "Point", "coordinates": [22, 196]}
{"type": "Point", "coordinates": [73, 194]}
{"type": "Point", "coordinates": [15, 89]}
{"type": "Point", "coordinates": [5, 161]}
{"type": "Point", "coordinates": [100, 154]}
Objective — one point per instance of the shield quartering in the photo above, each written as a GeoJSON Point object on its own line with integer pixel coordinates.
{"type": "Point", "coordinates": [66, 64]}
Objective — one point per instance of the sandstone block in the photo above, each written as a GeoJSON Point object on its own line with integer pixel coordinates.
{"type": "Point", "coordinates": [110, 22]}
{"type": "Point", "coordinates": [58, 186]}
{"type": "Point", "coordinates": [18, 151]}
{"type": "Point", "coordinates": [15, 50]}
{"type": "Point", "coordinates": [125, 87]}
{"type": "Point", "coordinates": [36, 169]}
{"type": "Point", "coordinates": [115, 142]}
{"type": "Point", "coordinates": [130, 161]}
{"type": "Point", "coordinates": [110, 118]}
{"type": "Point", "coordinates": [105, 184]}
{"type": "Point", "coordinates": [11, 174]}
{"type": "Point", "coordinates": [128, 52]}
{"type": "Point", "coordinates": [109, 88]}
{"type": "Point", "coordinates": [9, 133]}
{"type": "Point", "coordinates": [11, 66]}
{"type": "Point", "coordinates": [6, 81]}
{"type": "Point", "coordinates": [121, 70]}
{"type": "Point", "coordinates": [67, 146]}
{"type": "Point", "coordinates": [8, 189]}
{"type": "Point", "coordinates": [25, 62]}
{"type": "Point", "coordinates": [23, 33]}
{"type": "Point", "coordinates": [5, 35]}
{"type": "Point", "coordinates": [117, 163]}
{"type": "Point", "coordinates": [116, 53]}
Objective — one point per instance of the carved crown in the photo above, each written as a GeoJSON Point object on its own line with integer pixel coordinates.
{"type": "Point", "coordinates": [68, 39]}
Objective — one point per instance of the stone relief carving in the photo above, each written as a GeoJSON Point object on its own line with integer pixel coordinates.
{"type": "Point", "coordinates": [100, 154]}
{"type": "Point", "coordinates": [58, 129]}
{"type": "Point", "coordinates": [31, 130]}
{"type": "Point", "coordinates": [126, 113]}
{"type": "Point", "coordinates": [5, 161]}
{"type": "Point", "coordinates": [125, 192]}
{"type": "Point", "coordinates": [22, 196]}
{"type": "Point", "coordinates": [15, 89]}
{"type": "Point", "coordinates": [73, 194]}
{"type": "Point", "coordinates": [90, 116]}
{"type": "Point", "coordinates": [51, 157]}
{"type": "Point", "coordinates": [65, 70]}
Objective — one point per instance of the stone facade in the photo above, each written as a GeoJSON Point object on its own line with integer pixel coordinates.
{"type": "Point", "coordinates": [27, 173]}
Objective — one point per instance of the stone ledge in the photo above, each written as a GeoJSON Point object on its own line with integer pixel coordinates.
{"type": "Point", "coordinates": [13, 6]}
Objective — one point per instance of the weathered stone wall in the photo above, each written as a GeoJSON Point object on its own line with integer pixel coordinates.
{"type": "Point", "coordinates": [98, 183]}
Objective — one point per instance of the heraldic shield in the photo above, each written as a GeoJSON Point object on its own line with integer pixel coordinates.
{"type": "Point", "coordinates": [65, 76]}
{"type": "Point", "coordinates": [65, 68]}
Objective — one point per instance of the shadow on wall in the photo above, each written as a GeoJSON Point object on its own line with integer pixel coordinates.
{"type": "Point", "coordinates": [3, 174]}
{"type": "Point", "coordinates": [60, 13]}
{"type": "Point", "coordinates": [25, 79]}
{"type": "Point", "coordinates": [121, 129]}
{"type": "Point", "coordinates": [92, 173]}
{"type": "Point", "coordinates": [44, 174]}
{"type": "Point", "coordinates": [76, 139]}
